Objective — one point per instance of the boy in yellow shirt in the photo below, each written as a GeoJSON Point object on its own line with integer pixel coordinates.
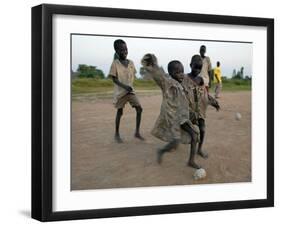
{"type": "Point", "coordinates": [217, 80]}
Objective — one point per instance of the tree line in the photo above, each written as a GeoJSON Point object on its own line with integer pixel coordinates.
{"type": "Point", "coordinates": [239, 74]}
{"type": "Point", "coordinates": [89, 71]}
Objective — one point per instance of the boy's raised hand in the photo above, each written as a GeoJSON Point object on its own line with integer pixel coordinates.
{"type": "Point", "coordinates": [151, 68]}
{"type": "Point", "coordinates": [149, 60]}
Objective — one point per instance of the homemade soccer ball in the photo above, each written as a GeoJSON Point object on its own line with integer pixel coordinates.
{"type": "Point", "coordinates": [238, 116]}
{"type": "Point", "coordinates": [199, 174]}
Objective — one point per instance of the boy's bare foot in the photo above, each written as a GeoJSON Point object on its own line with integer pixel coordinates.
{"type": "Point", "coordinates": [193, 165]}
{"type": "Point", "coordinates": [137, 135]}
{"type": "Point", "coordinates": [118, 138]}
{"type": "Point", "coordinates": [159, 156]}
{"type": "Point", "coordinates": [203, 154]}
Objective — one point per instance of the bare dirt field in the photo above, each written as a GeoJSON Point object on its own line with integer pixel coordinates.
{"type": "Point", "coordinates": [98, 162]}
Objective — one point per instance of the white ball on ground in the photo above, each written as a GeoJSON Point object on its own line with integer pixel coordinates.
{"type": "Point", "coordinates": [199, 174]}
{"type": "Point", "coordinates": [238, 116]}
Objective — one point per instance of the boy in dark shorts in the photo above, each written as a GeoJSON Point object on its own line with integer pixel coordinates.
{"type": "Point", "coordinates": [123, 72]}
{"type": "Point", "coordinates": [173, 124]}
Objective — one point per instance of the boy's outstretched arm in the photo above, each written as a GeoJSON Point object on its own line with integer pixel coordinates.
{"type": "Point", "coordinates": [117, 82]}
{"type": "Point", "coordinates": [149, 62]}
{"type": "Point", "coordinates": [213, 102]}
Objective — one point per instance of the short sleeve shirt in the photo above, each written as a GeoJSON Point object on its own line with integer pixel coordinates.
{"type": "Point", "coordinates": [125, 75]}
{"type": "Point", "coordinates": [217, 73]}
{"type": "Point", "coordinates": [174, 108]}
{"type": "Point", "coordinates": [197, 97]}
{"type": "Point", "coordinates": [206, 67]}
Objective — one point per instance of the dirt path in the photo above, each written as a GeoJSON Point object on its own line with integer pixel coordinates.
{"type": "Point", "coordinates": [98, 162]}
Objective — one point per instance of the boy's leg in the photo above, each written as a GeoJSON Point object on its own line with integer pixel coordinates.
{"type": "Point", "coordinates": [217, 90]}
{"type": "Point", "coordinates": [120, 104]}
{"type": "Point", "coordinates": [119, 114]}
{"type": "Point", "coordinates": [193, 135]}
{"type": "Point", "coordinates": [202, 128]}
{"type": "Point", "coordinates": [138, 121]}
{"type": "Point", "coordinates": [134, 102]}
{"type": "Point", "coordinates": [168, 147]}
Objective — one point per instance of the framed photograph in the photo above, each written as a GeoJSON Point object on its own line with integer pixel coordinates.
{"type": "Point", "coordinates": [146, 112]}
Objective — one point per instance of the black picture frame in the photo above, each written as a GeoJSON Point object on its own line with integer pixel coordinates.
{"type": "Point", "coordinates": [42, 107]}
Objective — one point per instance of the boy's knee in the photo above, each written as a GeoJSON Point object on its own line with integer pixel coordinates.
{"type": "Point", "coordinates": [175, 142]}
{"type": "Point", "coordinates": [202, 128]}
{"type": "Point", "coordinates": [194, 136]}
{"type": "Point", "coordinates": [138, 109]}
{"type": "Point", "coordinates": [120, 111]}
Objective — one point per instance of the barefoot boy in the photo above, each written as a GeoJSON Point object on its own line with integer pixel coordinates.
{"type": "Point", "coordinates": [217, 80]}
{"type": "Point", "coordinates": [199, 99]}
{"type": "Point", "coordinates": [173, 124]}
{"type": "Point", "coordinates": [206, 71]}
{"type": "Point", "coordinates": [123, 72]}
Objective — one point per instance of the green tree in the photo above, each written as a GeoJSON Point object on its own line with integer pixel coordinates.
{"type": "Point", "coordinates": [239, 74]}
{"type": "Point", "coordinates": [88, 71]}
{"type": "Point", "coordinates": [224, 78]}
{"type": "Point", "coordinates": [234, 73]}
{"type": "Point", "coordinates": [242, 72]}
{"type": "Point", "coordinates": [247, 77]}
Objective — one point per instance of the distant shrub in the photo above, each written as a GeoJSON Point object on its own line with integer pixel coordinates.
{"type": "Point", "coordinates": [88, 71]}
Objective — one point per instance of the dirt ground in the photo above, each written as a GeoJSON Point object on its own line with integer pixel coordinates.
{"type": "Point", "coordinates": [98, 162]}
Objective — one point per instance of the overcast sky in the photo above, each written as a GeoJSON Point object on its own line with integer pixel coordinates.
{"type": "Point", "coordinates": [98, 51]}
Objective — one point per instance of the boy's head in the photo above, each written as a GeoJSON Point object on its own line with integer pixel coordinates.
{"type": "Point", "coordinates": [196, 65]}
{"type": "Point", "coordinates": [218, 64]}
{"type": "Point", "coordinates": [121, 49]}
{"type": "Point", "coordinates": [175, 69]}
{"type": "Point", "coordinates": [202, 51]}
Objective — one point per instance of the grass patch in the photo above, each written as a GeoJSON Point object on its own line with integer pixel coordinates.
{"type": "Point", "coordinates": [89, 85]}
{"type": "Point", "coordinates": [236, 85]}
{"type": "Point", "coordinates": [95, 86]}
